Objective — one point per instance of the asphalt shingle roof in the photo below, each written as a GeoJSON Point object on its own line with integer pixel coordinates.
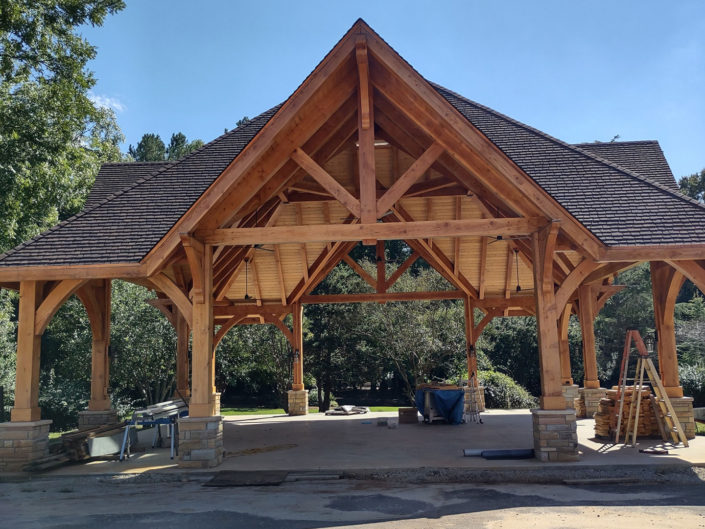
{"type": "Point", "coordinates": [644, 158]}
{"type": "Point", "coordinates": [125, 226]}
{"type": "Point", "coordinates": [617, 206]}
{"type": "Point", "coordinates": [115, 177]}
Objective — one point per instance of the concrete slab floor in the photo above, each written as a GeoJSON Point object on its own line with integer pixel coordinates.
{"type": "Point", "coordinates": [319, 442]}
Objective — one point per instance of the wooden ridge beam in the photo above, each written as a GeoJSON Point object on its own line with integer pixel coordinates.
{"type": "Point", "coordinates": [357, 232]}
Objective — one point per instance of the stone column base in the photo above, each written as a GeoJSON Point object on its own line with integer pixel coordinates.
{"type": "Point", "coordinates": [298, 402]}
{"type": "Point", "coordinates": [591, 400]}
{"type": "Point", "coordinates": [555, 435]}
{"type": "Point", "coordinates": [200, 442]}
{"type": "Point", "coordinates": [21, 443]}
{"type": "Point", "coordinates": [91, 419]}
{"type": "Point", "coordinates": [480, 398]}
{"type": "Point", "coordinates": [683, 407]}
{"type": "Point", "coordinates": [570, 393]}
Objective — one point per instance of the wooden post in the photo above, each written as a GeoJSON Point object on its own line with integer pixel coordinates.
{"type": "Point", "coordinates": [202, 394]}
{"type": "Point", "coordinates": [666, 284]}
{"type": "Point", "coordinates": [470, 338]}
{"type": "Point", "coordinates": [298, 369]}
{"type": "Point", "coordinates": [564, 344]}
{"type": "Point", "coordinates": [543, 244]}
{"type": "Point", "coordinates": [586, 300]}
{"type": "Point", "coordinates": [182, 363]}
{"type": "Point", "coordinates": [99, 316]}
{"type": "Point", "coordinates": [28, 351]}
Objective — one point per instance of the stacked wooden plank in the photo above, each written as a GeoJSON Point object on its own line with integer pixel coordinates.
{"type": "Point", "coordinates": [579, 405]}
{"type": "Point", "coordinates": [606, 415]}
{"type": "Point", "coordinates": [76, 443]}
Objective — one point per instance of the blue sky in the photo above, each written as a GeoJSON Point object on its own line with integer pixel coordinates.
{"type": "Point", "coordinates": [580, 71]}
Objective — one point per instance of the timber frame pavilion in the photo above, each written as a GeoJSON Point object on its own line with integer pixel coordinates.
{"type": "Point", "coordinates": [365, 150]}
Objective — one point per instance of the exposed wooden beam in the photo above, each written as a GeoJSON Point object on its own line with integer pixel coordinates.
{"type": "Point", "coordinates": [360, 271]}
{"type": "Point", "coordinates": [366, 138]}
{"type": "Point", "coordinates": [304, 254]}
{"type": "Point", "coordinates": [693, 270]}
{"type": "Point", "coordinates": [456, 240]}
{"type": "Point", "coordinates": [194, 252]}
{"type": "Point", "coordinates": [375, 231]}
{"type": "Point", "coordinates": [280, 274]}
{"type": "Point", "coordinates": [163, 283]}
{"type": "Point", "coordinates": [576, 277]}
{"type": "Point", "coordinates": [53, 302]}
{"type": "Point", "coordinates": [401, 269]}
{"type": "Point", "coordinates": [381, 267]}
{"type": "Point", "coordinates": [607, 270]}
{"type": "Point", "coordinates": [382, 297]}
{"type": "Point", "coordinates": [665, 252]}
{"type": "Point", "coordinates": [57, 273]}
{"type": "Point", "coordinates": [412, 174]}
{"type": "Point", "coordinates": [329, 183]}
{"type": "Point", "coordinates": [484, 243]}
{"type": "Point", "coordinates": [508, 272]}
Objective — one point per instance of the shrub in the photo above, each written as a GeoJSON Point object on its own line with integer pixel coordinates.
{"type": "Point", "coordinates": [501, 391]}
{"type": "Point", "coordinates": [692, 379]}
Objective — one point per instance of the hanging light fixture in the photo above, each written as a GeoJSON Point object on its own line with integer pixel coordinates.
{"type": "Point", "coordinates": [516, 265]}
{"type": "Point", "coordinates": [247, 296]}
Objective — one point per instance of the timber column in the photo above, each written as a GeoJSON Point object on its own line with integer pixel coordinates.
{"type": "Point", "coordinates": [570, 390]}
{"type": "Point", "coordinates": [298, 396]}
{"type": "Point", "coordinates": [183, 390]}
{"type": "Point", "coordinates": [96, 297]}
{"type": "Point", "coordinates": [26, 437]}
{"type": "Point", "coordinates": [591, 392]}
{"type": "Point", "coordinates": [555, 429]}
{"type": "Point", "coordinates": [471, 353]}
{"type": "Point", "coordinates": [201, 433]}
{"type": "Point", "coordinates": [666, 283]}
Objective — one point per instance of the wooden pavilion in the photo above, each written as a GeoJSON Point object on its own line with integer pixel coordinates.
{"type": "Point", "coordinates": [364, 151]}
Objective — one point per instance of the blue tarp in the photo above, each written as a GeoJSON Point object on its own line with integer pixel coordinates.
{"type": "Point", "coordinates": [448, 403]}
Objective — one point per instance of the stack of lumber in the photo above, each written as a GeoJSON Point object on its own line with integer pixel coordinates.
{"type": "Point", "coordinates": [606, 415]}
{"type": "Point", "coordinates": [76, 443]}
{"type": "Point", "coordinates": [579, 405]}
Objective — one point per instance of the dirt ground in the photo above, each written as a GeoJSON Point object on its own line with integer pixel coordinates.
{"type": "Point", "coordinates": [111, 502]}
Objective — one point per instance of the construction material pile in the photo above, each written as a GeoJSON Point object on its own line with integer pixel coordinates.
{"type": "Point", "coordinates": [606, 415]}
{"type": "Point", "coordinates": [76, 443]}
{"type": "Point", "coordinates": [579, 405]}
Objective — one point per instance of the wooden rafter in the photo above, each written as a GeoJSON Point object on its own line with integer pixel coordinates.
{"type": "Point", "coordinates": [365, 137]}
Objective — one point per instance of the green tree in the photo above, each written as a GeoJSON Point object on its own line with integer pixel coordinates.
{"type": "Point", "coordinates": [179, 146]}
{"type": "Point", "coordinates": [150, 148]}
{"type": "Point", "coordinates": [53, 138]}
{"type": "Point", "coordinates": [693, 186]}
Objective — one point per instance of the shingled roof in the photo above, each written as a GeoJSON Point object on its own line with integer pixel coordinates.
{"type": "Point", "coordinates": [644, 158]}
{"type": "Point", "coordinates": [126, 225]}
{"type": "Point", "coordinates": [619, 206]}
{"type": "Point", "coordinates": [115, 177]}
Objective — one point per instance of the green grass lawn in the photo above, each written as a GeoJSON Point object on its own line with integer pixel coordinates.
{"type": "Point", "coordinates": [699, 429]}
{"type": "Point", "coordinates": [280, 411]}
